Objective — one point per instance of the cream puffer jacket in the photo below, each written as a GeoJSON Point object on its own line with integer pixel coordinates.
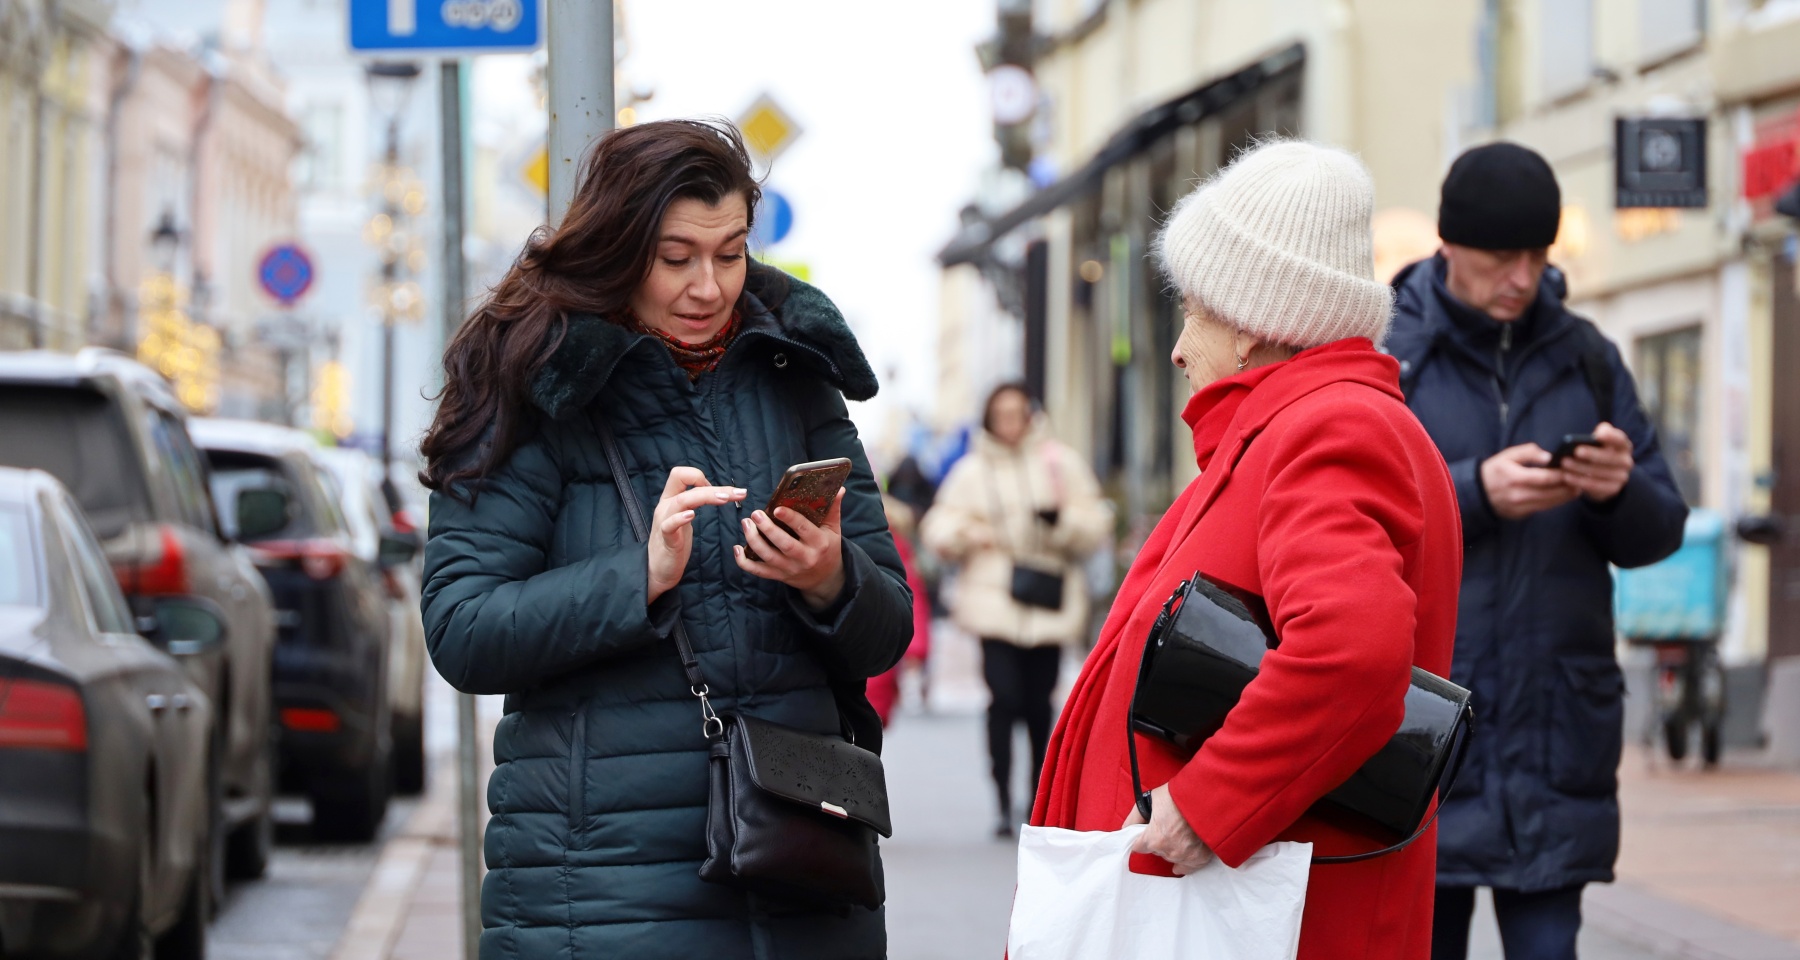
{"type": "Point", "coordinates": [986, 516]}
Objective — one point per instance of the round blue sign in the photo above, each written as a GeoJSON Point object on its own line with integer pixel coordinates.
{"type": "Point", "coordinates": [774, 220]}
{"type": "Point", "coordinates": [286, 273]}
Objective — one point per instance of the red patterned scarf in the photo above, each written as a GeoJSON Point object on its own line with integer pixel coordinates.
{"type": "Point", "coordinates": [697, 358]}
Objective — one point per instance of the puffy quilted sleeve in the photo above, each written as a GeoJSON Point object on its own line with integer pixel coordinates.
{"type": "Point", "coordinates": [868, 629]}
{"type": "Point", "coordinates": [497, 618]}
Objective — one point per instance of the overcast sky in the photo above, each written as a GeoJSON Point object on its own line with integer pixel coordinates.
{"type": "Point", "coordinates": [897, 130]}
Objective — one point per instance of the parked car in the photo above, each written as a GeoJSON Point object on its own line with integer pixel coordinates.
{"type": "Point", "coordinates": [388, 540]}
{"type": "Point", "coordinates": [331, 651]}
{"type": "Point", "coordinates": [113, 432]}
{"type": "Point", "coordinates": [105, 743]}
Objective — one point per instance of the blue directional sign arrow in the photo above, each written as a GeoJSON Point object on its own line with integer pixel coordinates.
{"type": "Point", "coordinates": [444, 26]}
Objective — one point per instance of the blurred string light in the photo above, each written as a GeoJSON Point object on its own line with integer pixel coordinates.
{"type": "Point", "coordinates": [1574, 233]}
{"type": "Point", "coordinates": [393, 292]}
{"type": "Point", "coordinates": [331, 400]}
{"type": "Point", "coordinates": [184, 352]}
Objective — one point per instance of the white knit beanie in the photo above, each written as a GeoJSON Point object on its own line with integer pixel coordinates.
{"type": "Point", "coordinates": [1278, 245]}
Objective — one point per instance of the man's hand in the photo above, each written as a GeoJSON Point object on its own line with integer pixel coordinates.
{"type": "Point", "coordinates": [1169, 836]}
{"type": "Point", "coordinates": [1599, 473]}
{"type": "Point", "coordinates": [1519, 482]}
{"type": "Point", "coordinates": [672, 524]}
{"type": "Point", "coordinates": [811, 559]}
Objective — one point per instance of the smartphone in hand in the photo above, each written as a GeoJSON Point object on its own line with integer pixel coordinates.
{"type": "Point", "coordinates": [808, 489]}
{"type": "Point", "coordinates": [1567, 447]}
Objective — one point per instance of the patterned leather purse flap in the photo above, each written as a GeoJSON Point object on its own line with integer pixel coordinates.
{"type": "Point", "coordinates": [818, 771]}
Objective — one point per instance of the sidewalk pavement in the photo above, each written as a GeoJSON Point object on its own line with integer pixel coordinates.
{"type": "Point", "coordinates": [1710, 868]}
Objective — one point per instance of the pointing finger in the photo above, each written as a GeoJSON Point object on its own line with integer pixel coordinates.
{"type": "Point", "coordinates": [682, 478]}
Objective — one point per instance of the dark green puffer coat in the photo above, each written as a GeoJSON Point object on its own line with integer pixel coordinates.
{"type": "Point", "coordinates": [538, 591]}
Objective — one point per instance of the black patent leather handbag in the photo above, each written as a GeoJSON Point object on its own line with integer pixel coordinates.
{"type": "Point", "coordinates": [1207, 644]}
{"type": "Point", "coordinates": [790, 814]}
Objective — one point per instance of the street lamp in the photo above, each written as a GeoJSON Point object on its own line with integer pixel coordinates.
{"type": "Point", "coordinates": [165, 243]}
{"type": "Point", "coordinates": [390, 82]}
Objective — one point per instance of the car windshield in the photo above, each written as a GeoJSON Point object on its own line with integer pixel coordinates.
{"type": "Point", "coordinates": [18, 561]}
{"type": "Point", "coordinates": [78, 436]}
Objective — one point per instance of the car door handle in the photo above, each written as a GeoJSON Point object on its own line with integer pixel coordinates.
{"type": "Point", "coordinates": [157, 702]}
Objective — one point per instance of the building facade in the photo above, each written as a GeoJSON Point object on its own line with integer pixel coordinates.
{"type": "Point", "coordinates": [199, 186]}
{"type": "Point", "coordinates": [1139, 100]}
{"type": "Point", "coordinates": [52, 111]}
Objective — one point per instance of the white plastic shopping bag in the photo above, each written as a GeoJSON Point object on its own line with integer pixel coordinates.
{"type": "Point", "coordinates": [1079, 900]}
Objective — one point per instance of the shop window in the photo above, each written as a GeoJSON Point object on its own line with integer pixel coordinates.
{"type": "Point", "coordinates": [1668, 379]}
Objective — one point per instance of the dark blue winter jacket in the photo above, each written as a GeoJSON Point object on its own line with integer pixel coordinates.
{"type": "Point", "coordinates": [1536, 806]}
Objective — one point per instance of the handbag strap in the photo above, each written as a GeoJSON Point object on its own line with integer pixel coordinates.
{"type": "Point", "coordinates": [711, 725]}
{"type": "Point", "coordinates": [1144, 804]}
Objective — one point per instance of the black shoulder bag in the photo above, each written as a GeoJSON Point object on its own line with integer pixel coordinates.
{"type": "Point", "coordinates": [789, 814]}
{"type": "Point", "coordinates": [1208, 644]}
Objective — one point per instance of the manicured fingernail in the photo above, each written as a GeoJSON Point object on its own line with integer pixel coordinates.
{"type": "Point", "coordinates": [739, 492]}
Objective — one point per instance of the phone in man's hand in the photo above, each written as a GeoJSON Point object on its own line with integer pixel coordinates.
{"type": "Point", "coordinates": [808, 489]}
{"type": "Point", "coordinates": [1567, 447]}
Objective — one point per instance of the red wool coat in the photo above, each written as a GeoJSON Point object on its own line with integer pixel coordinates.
{"type": "Point", "coordinates": [1321, 493]}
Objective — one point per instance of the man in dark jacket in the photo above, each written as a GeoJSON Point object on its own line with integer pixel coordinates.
{"type": "Point", "coordinates": [1500, 372]}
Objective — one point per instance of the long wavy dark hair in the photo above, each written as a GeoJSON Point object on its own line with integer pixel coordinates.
{"type": "Point", "coordinates": [591, 263]}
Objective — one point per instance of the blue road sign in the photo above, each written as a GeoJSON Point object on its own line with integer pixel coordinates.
{"type": "Point", "coordinates": [463, 26]}
{"type": "Point", "coordinates": [774, 220]}
{"type": "Point", "coordinates": [286, 272]}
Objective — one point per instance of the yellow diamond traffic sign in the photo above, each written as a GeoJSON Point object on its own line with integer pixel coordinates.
{"type": "Point", "coordinates": [768, 129]}
{"type": "Point", "coordinates": [536, 171]}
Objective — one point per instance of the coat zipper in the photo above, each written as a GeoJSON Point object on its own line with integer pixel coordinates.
{"type": "Point", "coordinates": [1500, 377]}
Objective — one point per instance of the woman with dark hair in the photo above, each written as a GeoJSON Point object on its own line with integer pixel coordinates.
{"type": "Point", "coordinates": [642, 314]}
{"type": "Point", "coordinates": [1018, 513]}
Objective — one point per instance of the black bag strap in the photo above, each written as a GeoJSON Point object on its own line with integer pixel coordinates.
{"type": "Point", "coordinates": [711, 725]}
{"type": "Point", "coordinates": [1448, 783]}
{"type": "Point", "coordinates": [1597, 369]}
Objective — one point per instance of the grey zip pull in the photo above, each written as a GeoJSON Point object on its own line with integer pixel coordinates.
{"type": "Point", "coordinates": [1505, 337]}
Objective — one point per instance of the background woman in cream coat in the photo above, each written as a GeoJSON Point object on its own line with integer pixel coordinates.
{"type": "Point", "coordinates": [1018, 500]}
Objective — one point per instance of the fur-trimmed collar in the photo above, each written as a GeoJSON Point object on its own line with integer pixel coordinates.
{"type": "Point", "coordinates": [805, 317]}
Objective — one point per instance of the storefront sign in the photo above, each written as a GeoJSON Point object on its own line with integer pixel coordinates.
{"type": "Point", "coordinates": [1661, 162]}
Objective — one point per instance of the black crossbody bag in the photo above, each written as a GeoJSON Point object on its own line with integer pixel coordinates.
{"type": "Point", "coordinates": [1206, 646]}
{"type": "Point", "coordinates": [789, 814]}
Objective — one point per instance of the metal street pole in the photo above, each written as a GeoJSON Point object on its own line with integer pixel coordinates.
{"type": "Point", "coordinates": [468, 810]}
{"type": "Point", "coordinates": [390, 273]}
{"type": "Point", "coordinates": [580, 74]}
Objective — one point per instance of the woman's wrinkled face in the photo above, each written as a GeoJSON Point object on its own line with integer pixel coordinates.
{"type": "Point", "coordinates": [1206, 350]}
{"type": "Point", "coordinates": [1009, 417]}
{"type": "Point", "coordinates": [697, 270]}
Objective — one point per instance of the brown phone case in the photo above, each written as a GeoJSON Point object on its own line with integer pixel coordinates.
{"type": "Point", "coordinates": [807, 489]}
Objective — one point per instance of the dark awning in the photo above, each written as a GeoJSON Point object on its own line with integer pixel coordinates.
{"type": "Point", "coordinates": [1212, 97]}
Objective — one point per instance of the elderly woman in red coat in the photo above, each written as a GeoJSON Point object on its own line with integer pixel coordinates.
{"type": "Point", "coordinates": [1322, 494]}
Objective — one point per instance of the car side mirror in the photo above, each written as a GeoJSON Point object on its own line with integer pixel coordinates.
{"type": "Point", "coordinates": [185, 625]}
{"type": "Point", "coordinates": [1764, 530]}
{"type": "Point", "coordinates": [398, 549]}
{"type": "Point", "coordinates": [261, 512]}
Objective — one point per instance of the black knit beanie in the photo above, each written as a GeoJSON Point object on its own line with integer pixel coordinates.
{"type": "Point", "coordinates": [1500, 196]}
